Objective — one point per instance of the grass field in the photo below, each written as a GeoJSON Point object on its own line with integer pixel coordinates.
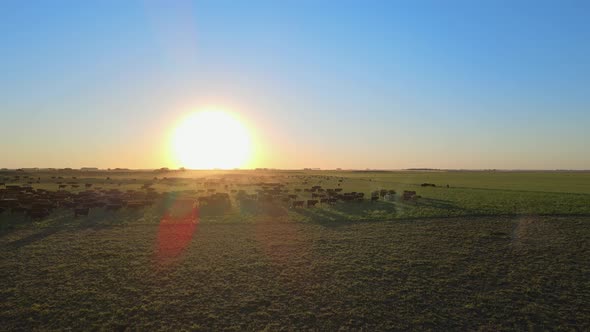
{"type": "Point", "coordinates": [494, 251]}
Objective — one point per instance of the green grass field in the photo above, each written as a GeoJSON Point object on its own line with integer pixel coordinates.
{"type": "Point", "coordinates": [494, 251]}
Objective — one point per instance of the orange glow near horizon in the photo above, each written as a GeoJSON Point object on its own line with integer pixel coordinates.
{"type": "Point", "coordinates": [211, 139]}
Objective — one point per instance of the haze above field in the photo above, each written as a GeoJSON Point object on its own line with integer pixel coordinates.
{"type": "Point", "coordinates": [385, 85]}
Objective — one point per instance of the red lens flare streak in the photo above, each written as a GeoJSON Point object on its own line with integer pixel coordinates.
{"type": "Point", "coordinates": [175, 231]}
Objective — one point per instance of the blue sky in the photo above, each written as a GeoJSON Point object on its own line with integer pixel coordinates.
{"type": "Point", "coordinates": [351, 84]}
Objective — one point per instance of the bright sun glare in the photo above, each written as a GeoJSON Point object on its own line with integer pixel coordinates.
{"type": "Point", "coordinates": [211, 139]}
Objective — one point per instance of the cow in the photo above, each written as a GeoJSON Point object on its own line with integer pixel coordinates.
{"type": "Point", "coordinates": [19, 209]}
{"type": "Point", "coordinates": [113, 207]}
{"type": "Point", "coordinates": [312, 202]}
{"type": "Point", "coordinates": [298, 204]}
{"type": "Point", "coordinates": [81, 211]}
{"type": "Point", "coordinates": [135, 204]}
{"type": "Point", "coordinates": [374, 199]}
{"type": "Point", "coordinates": [324, 200]}
{"type": "Point", "coordinates": [68, 204]}
{"type": "Point", "coordinates": [38, 213]}
{"type": "Point", "coordinates": [408, 194]}
{"type": "Point", "coordinates": [203, 200]}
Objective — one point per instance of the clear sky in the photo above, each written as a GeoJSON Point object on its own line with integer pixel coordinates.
{"type": "Point", "coordinates": [351, 84]}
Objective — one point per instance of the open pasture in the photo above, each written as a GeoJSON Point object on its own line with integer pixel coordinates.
{"type": "Point", "coordinates": [255, 194]}
{"type": "Point", "coordinates": [492, 251]}
{"type": "Point", "coordinates": [286, 195]}
{"type": "Point", "coordinates": [482, 273]}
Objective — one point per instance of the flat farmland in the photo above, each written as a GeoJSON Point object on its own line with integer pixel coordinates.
{"type": "Point", "coordinates": [492, 251]}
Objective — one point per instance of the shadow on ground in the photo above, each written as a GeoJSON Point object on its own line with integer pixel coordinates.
{"type": "Point", "coordinates": [342, 212]}
{"type": "Point", "coordinates": [61, 220]}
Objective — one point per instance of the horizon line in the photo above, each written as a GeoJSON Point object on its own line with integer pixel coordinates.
{"type": "Point", "coordinates": [310, 169]}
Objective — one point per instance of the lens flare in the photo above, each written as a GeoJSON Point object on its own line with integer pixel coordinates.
{"type": "Point", "coordinates": [176, 230]}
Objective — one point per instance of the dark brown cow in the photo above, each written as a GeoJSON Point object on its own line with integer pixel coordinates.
{"type": "Point", "coordinates": [38, 213]}
{"type": "Point", "coordinates": [68, 204]}
{"type": "Point", "coordinates": [408, 195]}
{"type": "Point", "coordinates": [19, 209]}
{"type": "Point", "coordinates": [113, 207]}
{"type": "Point", "coordinates": [312, 202]}
{"type": "Point", "coordinates": [81, 211]}
{"type": "Point", "coordinates": [298, 204]}
{"type": "Point", "coordinates": [135, 204]}
{"type": "Point", "coordinates": [8, 202]}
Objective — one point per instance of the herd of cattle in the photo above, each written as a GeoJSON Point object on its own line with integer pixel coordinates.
{"type": "Point", "coordinates": [277, 193]}
{"type": "Point", "coordinates": [39, 203]}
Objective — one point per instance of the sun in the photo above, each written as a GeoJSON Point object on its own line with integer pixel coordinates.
{"type": "Point", "coordinates": [211, 139]}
